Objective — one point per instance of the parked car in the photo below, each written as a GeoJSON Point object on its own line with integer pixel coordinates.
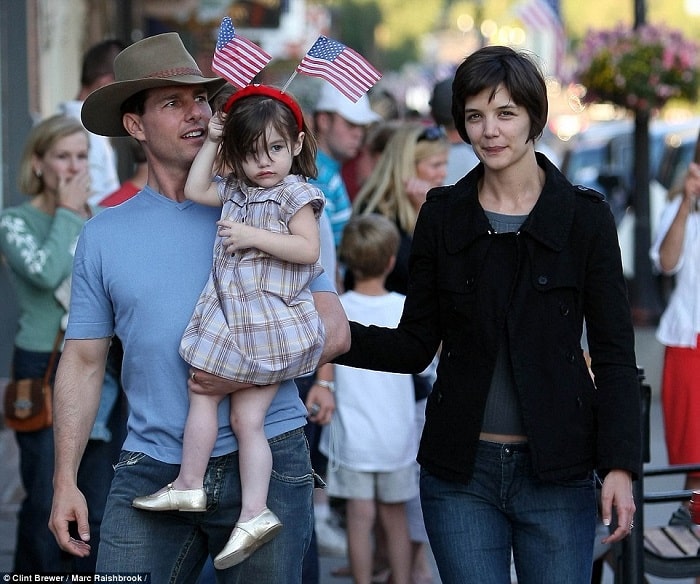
{"type": "Point", "coordinates": [602, 157]}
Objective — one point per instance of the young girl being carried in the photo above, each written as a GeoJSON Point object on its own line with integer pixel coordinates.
{"type": "Point", "coordinates": [255, 321]}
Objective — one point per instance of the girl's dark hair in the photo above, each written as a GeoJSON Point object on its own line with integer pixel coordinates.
{"type": "Point", "coordinates": [245, 126]}
{"type": "Point", "coordinates": [492, 66]}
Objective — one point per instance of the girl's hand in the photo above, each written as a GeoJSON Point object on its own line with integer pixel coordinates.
{"type": "Point", "coordinates": [216, 127]}
{"type": "Point", "coordinates": [74, 191]}
{"type": "Point", "coordinates": [236, 235]}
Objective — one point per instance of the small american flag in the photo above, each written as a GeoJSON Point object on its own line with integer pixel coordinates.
{"type": "Point", "coordinates": [237, 59]}
{"type": "Point", "coordinates": [543, 19]}
{"type": "Point", "coordinates": [345, 69]}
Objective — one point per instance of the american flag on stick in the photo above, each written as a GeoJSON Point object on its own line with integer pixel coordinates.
{"type": "Point", "coordinates": [543, 19]}
{"type": "Point", "coordinates": [345, 69]}
{"type": "Point", "coordinates": [237, 59]}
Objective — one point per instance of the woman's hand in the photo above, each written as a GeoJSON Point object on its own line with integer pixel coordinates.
{"type": "Point", "coordinates": [74, 191]}
{"type": "Point", "coordinates": [617, 493]}
{"type": "Point", "coordinates": [417, 190]}
{"type": "Point", "coordinates": [691, 185]}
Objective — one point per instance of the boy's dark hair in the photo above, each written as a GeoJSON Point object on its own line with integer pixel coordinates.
{"type": "Point", "coordinates": [99, 61]}
{"type": "Point", "coordinates": [492, 66]}
{"type": "Point", "coordinates": [246, 125]}
{"type": "Point", "coordinates": [368, 244]}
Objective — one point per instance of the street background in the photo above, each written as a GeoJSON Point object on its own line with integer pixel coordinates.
{"type": "Point", "coordinates": [649, 357]}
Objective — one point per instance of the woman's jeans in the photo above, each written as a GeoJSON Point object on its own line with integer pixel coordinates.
{"type": "Point", "coordinates": [548, 526]}
{"type": "Point", "coordinates": [173, 546]}
{"type": "Point", "coordinates": [36, 549]}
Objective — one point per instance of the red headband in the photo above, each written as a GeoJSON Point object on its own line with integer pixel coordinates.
{"type": "Point", "coordinates": [268, 91]}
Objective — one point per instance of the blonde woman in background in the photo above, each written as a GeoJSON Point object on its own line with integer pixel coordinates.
{"type": "Point", "coordinates": [37, 240]}
{"type": "Point", "coordinates": [414, 161]}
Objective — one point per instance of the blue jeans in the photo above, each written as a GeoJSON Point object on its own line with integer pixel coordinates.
{"type": "Point", "coordinates": [173, 546]}
{"type": "Point", "coordinates": [36, 549]}
{"type": "Point", "coordinates": [472, 528]}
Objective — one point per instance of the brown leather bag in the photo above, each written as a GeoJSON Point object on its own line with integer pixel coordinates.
{"type": "Point", "coordinates": [28, 403]}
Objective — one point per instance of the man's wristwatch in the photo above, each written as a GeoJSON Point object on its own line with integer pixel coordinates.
{"type": "Point", "coordinates": [329, 385]}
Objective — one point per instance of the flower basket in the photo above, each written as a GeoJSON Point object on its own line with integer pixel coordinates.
{"type": "Point", "coordinates": [639, 69]}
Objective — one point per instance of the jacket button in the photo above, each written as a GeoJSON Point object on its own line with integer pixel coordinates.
{"type": "Point", "coordinates": [564, 310]}
{"type": "Point", "coordinates": [542, 280]}
{"type": "Point", "coordinates": [570, 357]}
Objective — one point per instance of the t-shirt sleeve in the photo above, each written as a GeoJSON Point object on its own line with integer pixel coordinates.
{"type": "Point", "coordinates": [91, 315]}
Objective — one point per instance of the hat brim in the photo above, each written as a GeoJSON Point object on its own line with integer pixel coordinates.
{"type": "Point", "coordinates": [101, 111]}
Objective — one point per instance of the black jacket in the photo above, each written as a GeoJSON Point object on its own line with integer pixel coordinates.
{"type": "Point", "coordinates": [470, 286]}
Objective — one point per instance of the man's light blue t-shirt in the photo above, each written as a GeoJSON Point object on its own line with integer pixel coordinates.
{"type": "Point", "coordinates": [138, 272]}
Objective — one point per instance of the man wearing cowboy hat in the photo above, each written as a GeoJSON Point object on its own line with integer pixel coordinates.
{"type": "Point", "coordinates": [139, 269]}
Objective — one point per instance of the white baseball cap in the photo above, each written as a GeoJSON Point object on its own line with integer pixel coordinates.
{"type": "Point", "coordinates": [360, 113]}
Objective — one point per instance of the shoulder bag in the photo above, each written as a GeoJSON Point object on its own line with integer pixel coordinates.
{"type": "Point", "coordinates": [28, 404]}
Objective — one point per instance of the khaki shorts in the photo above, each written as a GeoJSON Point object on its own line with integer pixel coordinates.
{"type": "Point", "coordinates": [396, 486]}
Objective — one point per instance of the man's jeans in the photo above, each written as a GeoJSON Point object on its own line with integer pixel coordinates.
{"type": "Point", "coordinates": [173, 546]}
{"type": "Point", "coordinates": [549, 526]}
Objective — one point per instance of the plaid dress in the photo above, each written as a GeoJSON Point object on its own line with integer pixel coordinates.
{"type": "Point", "coordinates": [255, 320]}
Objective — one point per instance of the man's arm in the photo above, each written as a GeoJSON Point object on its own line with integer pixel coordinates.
{"type": "Point", "coordinates": [76, 400]}
{"type": "Point", "coordinates": [336, 324]}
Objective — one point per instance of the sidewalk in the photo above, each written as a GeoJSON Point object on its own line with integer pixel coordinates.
{"type": "Point", "coordinates": [649, 357]}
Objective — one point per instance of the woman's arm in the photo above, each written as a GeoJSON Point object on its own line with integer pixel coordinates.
{"type": "Point", "coordinates": [199, 186]}
{"type": "Point", "coordinates": [43, 261]}
{"type": "Point", "coordinates": [672, 244]}
{"type": "Point", "coordinates": [411, 346]}
{"type": "Point", "coordinates": [610, 336]}
{"type": "Point", "coordinates": [300, 246]}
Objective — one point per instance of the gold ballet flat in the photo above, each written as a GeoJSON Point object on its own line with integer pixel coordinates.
{"type": "Point", "coordinates": [191, 500]}
{"type": "Point", "coordinates": [246, 537]}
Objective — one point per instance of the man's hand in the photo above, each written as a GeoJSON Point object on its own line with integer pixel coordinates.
{"type": "Point", "coordinates": [324, 399]}
{"type": "Point", "coordinates": [68, 507]}
{"type": "Point", "coordinates": [205, 383]}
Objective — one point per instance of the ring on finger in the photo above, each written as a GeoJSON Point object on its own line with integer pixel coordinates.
{"type": "Point", "coordinates": [192, 376]}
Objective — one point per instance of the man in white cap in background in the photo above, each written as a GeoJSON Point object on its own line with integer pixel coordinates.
{"type": "Point", "coordinates": [340, 127]}
{"type": "Point", "coordinates": [96, 72]}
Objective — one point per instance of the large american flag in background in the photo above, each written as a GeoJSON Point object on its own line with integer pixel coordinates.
{"type": "Point", "coordinates": [237, 59]}
{"type": "Point", "coordinates": [544, 17]}
{"type": "Point", "coordinates": [345, 69]}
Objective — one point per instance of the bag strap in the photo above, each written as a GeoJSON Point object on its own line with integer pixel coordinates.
{"type": "Point", "coordinates": [54, 354]}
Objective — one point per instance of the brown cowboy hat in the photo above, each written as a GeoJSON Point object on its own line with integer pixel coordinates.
{"type": "Point", "coordinates": [156, 61]}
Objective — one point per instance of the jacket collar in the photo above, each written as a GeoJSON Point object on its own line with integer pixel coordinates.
{"type": "Point", "coordinates": [549, 222]}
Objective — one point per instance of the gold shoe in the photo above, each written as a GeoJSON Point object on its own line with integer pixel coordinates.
{"type": "Point", "coordinates": [192, 500]}
{"type": "Point", "coordinates": [247, 537]}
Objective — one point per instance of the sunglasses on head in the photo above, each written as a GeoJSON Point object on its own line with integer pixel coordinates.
{"type": "Point", "coordinates": [432, 133]}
